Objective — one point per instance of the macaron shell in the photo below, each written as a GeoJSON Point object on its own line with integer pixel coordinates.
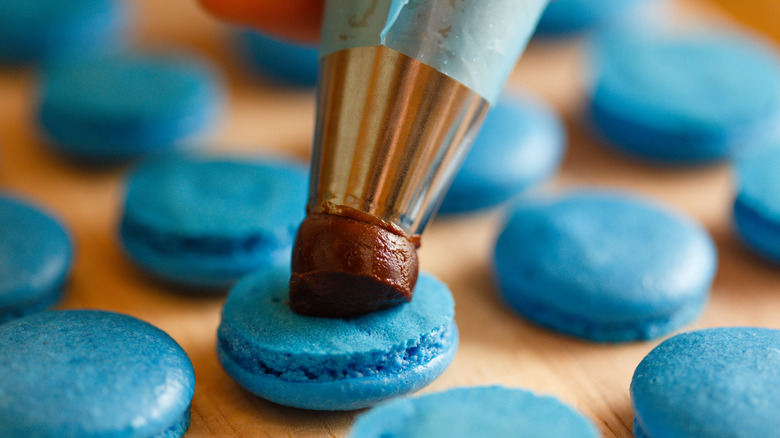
{"type": "Point", "coordinates": [478, 411]}
{"type": "Point", "coordinates": [218, 196]}
{"type": "Point", "coordinates": [684, 98]}
{"type": "Point", "coordinates": [256, 310]}
{"type": "Point", "coordinates": [604, 266]}
{"type": "Point", "coordinates": [129, 88]}
{"type": "Point", "coordinates": [282, 61]}
{"type": "Point", "coordinates": [206, 222]}
{"type": "Point", "coordinates": [56, 30]}
{"type": "Point", "coordinates": [710, 383]}
{"type": "Point", "coordinates": [701, 77]}
{"type": "Point", "coordinates": [199, 269]}
{"type": "Point", "coordinates": [35, 259]}
{"type": "Point", "coordinates": [760, 233]}
{"type": "Point", "coordinates": [117, 107]}
{"type": "Point", "coordinates": [346, 394]}
{"type": "Point", "coordinates": [89, 374]}
{"type": "Point", "coordinates": [520, 144]}
{"type": "Point", "coordinates": [333, 363]}
{"type": "Point", "coordinates": [757, 204]}
{"type": "Point", "coordinates": [563, 17]}
{"type": "Point", "coordinates": [758, 182]}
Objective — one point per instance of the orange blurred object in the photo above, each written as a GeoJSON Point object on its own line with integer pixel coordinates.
{"type": "Point", "coordinates": [762, 15]}
{"type": "Point", "coordinates": [293, 19]}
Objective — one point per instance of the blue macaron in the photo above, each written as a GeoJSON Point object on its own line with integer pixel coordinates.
{"type": "Point", "coordinates": [206, 222]}
{"type": "Point", "coordinates": [564, 17]}
{"type": "Point", "coordinates": [720, 382]}
{"type": "Point", "coordinates": [333, 364]}
{"type": "Point", "coordinates": [120, 107]}
{"type": "Point", "coordinates": [521, 144]}
{"type": "Point", "coordinates": [82, 373]}
{"type": "Point", "coordinates": [45, 30]}
{"type": "Point", "coordinates": [757, 205]}
{"type": "Point", "coordinates": [685, 99]}
{"type": "Point", "coordinates": [604, 266]}
{"type": "Point", "coordinates": [282, 61]}
{"type": "Point", "coordinates": [36, 255]}
{"type": "Point", "coordinates": [471, 412]}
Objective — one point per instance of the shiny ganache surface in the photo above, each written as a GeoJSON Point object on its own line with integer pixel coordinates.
{"type": "Point", "coordinates": [344, 266]}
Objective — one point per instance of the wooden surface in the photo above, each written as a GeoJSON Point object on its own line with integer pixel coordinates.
{"type": "Point", "coordinates": [496, 346]}
{"type": "Point", "coordinates": [762, 15]}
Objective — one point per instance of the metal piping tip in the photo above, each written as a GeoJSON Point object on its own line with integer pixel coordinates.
{"type": "Point", "coordinates": [391, 133]}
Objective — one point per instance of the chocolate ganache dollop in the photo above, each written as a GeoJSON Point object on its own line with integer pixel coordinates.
{"type": "Point", "coordinates": [349, 264]}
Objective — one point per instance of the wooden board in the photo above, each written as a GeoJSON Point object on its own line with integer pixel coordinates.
{"type": "Point", "coordinates": [496, 346]}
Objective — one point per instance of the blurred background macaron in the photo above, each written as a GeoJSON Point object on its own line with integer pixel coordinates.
{"type": "Point", "coordinates": [757, 203]}
{"type": "Point", "coordinates": [604, 266]}
{"type": "Point", "coordinates": [520, 145]}
{"type": "Point", "coordinates": [684, 98]}
{"type": "Point", "coordinates": [567, 17]}
{"type": "Point", "coordinates": [109, 110]}
{"type": "Point", "coordinates": [282, 61]}
{"type": "Point", "coordinates": [59, 30]}
{"type": "Point", "coordinates": [204, 222]}
{"type": "Point", "coordinates": [36, 256]}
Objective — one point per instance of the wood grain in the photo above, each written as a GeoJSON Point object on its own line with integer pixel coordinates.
{"type": "Point", "coordinates": [496, 346]}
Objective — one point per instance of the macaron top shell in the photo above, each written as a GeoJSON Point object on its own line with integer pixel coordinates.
{"type": "Point", "coordinates": [523, 126]}
{"type": "Point", "coordinates": [521, 142]}
{"type": "Point", "coordinates": [220, 197]}
{"type": "Point", "coordinates": [570, 16]}
{"type": "Point", "coordinates": [23, 15]}
{"type": "Point", "coordinates": [721, 382]}
{"type": "Point", "coordinates": [31, 29]}
{"type": "Point", "coordinates": [704, 82]}
{"type": "Point", "coordinates": [300, 348]}
{"type": "Point", "coordinates": [470, 412]}
{"type": "Point", "coordinates": [90, 374]}
{"type": "Point", "coordinates": [281, 60]}
{"type": "Point", "coordinates": [35, 253]}
{"type": "Point", "coordinates": [130, 89]}
{"type": "Point", "coordinates": [606, 256]}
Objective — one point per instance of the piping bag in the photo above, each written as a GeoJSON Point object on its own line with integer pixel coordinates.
{"type": "Point", "coordinates": [403, 88]}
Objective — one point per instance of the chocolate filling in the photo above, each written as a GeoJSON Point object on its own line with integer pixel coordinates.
{"type": "Point", "coordinates": [349, 264]}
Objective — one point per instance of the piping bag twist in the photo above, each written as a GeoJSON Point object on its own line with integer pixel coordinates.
{"type": "Point", "coordinates": [403, 88]}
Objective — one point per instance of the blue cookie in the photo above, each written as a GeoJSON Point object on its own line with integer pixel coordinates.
{"type": "Point", "coordinates": [206, 222]}
{"type": "Point", "coordinates": [83, 373]}
{"type": "Point", "coordinates": [116, 108]}
{"type": "Point", "coordinates": [283, 61]}
{"type": "Point", "coordinates": [333, 364]}
{"type": "Point", "coordinates": [35, 30]}
{"type": "Point", "coordinates": [563, 17]}
{"type": "Point", "coordinates": [721, 382]}
{"type": "Point", "coordinates": [474, 412]}
{"type": "Point", "coordinates": [521, 143]}
{"type": "Point", "coordinates": [35, 259]}
{"type": "Point", "coordinates": [684, 99]}
{"type": "Point", "coordinates": [757, 207]}
{"type": "Point", "coordinates": [604, 266]}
